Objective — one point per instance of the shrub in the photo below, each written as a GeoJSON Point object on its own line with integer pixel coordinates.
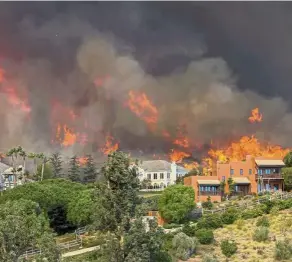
{"type": "Point", "coordinates": [210, 221]}
{"type": "Point", "coordinates": [263, 222]}
{"type": "Point", "coordinates": [239, 224]}
{"type": "Point", "coordinates": [170, 226]}
{"type": "Point", "coordinates": [228, 248]}
{"type": "Point", "coordinates": [189, 230]}
{"type": "Point", "coordinates": [274, 210]}
{"type": "Point", "coordinates": [208, 204]}
{"type": "Point", "coordinates": [261, 234]}
{"type": "Point", "coordinates": [253, 213]}
{"type": "Point", "coordinates": [230, 216]}
{"type": "Point", "coordinates": [209, 258]}
{"type": "Point", "coordinates": [183, 246]}
{"type": "Point", "coordinates": [205, 236]}
{"type": "Point", "coordinates": [283, 250]}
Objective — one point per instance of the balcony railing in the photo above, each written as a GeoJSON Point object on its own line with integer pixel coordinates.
{"type": "Point", "coordinates": [209, 193]}
{"type": "Point", "coordinates": [269, 176]}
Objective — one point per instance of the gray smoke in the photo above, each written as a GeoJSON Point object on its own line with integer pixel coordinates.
{"type": "Point", "coordinates": [203, 95]}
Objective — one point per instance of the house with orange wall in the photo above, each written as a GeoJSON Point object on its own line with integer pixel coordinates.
{"type": "Point", "coordinates": [251, 175]}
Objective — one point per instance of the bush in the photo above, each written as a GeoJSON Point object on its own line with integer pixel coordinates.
{"type": "Point", "coordinates": [274, 210]}
{"type": "Point", "coordinates": [261, 234]}
{"type": "Point", "coordinates": [230, 216]}
{"type": "Point", "coordinates": [263, 222]}
{"type": "Point", "coordinates": [205, 236]}
{"type": "Point", "coordinates": [210, 221]}
{"type": "Point", "coordinates": [209, 258]}
{"type": "Point", "coordinates": [189, 230]}
{"type": "Point", "coordinates": [183, 246]}
{"type": "Point", "coordinates": [283, 250]}
{"type": "Point", "coordinates": [239, 224]}
{"type": "Point", "coordinates": [228, 248]}
{"type": "Point", "coordinates": [208, 204]}
{"type": "Point", "coordinates": [170, 226]}
{"type": "Point", "coordinates": [255, 212]}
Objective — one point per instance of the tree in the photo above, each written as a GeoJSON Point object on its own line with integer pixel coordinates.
{"type": "Point", "coordinates": [44, 161]}
{"type": "Point", "coordinates": [116, 199]}
{"type": "Point", "coordinates": [80, 208]}
{"type": "Point", "coordinates": [176, 202]}
{"type": "Point", "coordinates": [44, 171]}
{"type": "Point", "coordinates": [90, 173]}
{"type": "Point", "coordinates": [56, 163]}
{"type": "Point", "coordinates": [287, 175]}
{"type": "Point", "coordinates": [74, 172]}
{"type": "Point", "coordinates": [231, 185]}
{"type": "Point", "coordinates": [288, 159]}
{"type": "Point", "coordinates": [184, 246]}
{"type": "Point", "coordinates": [146, 183]}
{"type": "Point", "coordinates": [23, 226]}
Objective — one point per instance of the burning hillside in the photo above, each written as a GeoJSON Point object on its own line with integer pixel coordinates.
{"type": "Point", "coordinates": [106, 101]}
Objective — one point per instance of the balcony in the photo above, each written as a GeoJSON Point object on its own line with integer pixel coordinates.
{"type": "Point", "coordinates": [269, 176]}
{"type": "Point", "coordinates": [209, 193]}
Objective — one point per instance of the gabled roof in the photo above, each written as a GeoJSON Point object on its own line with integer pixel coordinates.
{"type": "Point", "coordinates": [3, 167]}
{"type": "Point", "coordinates": [156, 166]}
{"type": "Point", "coordinates": [269, 162]}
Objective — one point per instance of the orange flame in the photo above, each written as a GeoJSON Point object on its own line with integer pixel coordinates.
{"type": "Point", "coordinates": [82, 160]}
{"type": "Point", "coordinates": [256, 116]}
{"type": "Point", "coordinates": [238, 151]}
{"type": "Point", "coordinates": [140, 105]}
{"type": "Point", "coordinates": [14, 98]}
{"type": "Point", "coordinates": [177, 156]}
{"type": "Point", "coordinates": [191, 166]}
{"type": "Point", "coordinates": [109, 145]}
{"type": "Point", "coordinates": [69, 137]}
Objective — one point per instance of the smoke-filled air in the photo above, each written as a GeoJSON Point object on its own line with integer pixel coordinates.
{"type": "Point", "coordinates": [105, 100]}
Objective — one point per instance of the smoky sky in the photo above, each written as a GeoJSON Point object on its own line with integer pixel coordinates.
{"type": "Point", "coordinates": [206, 64]}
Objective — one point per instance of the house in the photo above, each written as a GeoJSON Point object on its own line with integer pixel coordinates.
{"type": "Point", "coordinates": [252, 175]}
{"type": "Point", "coordinates": [269, 174]}
{"type": "Point", "coordinates": [159, 173]}
{"type": "Point", "coordinates": [9, 178]}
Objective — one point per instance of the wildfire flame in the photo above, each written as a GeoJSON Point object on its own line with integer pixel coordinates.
{"type": "Point", "coordinates": [82, 160]}
{"type": "Point", "coordinates": [110, 146]}
{"type": "Point", "coordinates": [246, 145]}
{"type": "Point", "coordinates": [256, 116]}
{"type": "Point", "coordinates": [140, 105]}
{"type": "Point", "coordinates": [177, 156]}
{"type": "Point", "coordinates": [191, 166]}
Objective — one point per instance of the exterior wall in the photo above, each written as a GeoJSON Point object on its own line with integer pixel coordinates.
{"type": "Point", "coordinates": [156, 214]}
{"type": "Point", "coordinates": [239, 169]}
{"type": "Point", "coordinates": [193, 182]}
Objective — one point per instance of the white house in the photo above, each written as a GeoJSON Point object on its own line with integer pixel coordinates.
{"type": "Point", "coordinates": [160, 173]}
{"type": "Point", "coordinates": [10, 178]}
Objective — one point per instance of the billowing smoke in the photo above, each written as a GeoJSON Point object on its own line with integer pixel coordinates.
{"type": "Point", "coordinates": [91, 72]}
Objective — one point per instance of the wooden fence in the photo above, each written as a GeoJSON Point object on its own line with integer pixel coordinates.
{"type": "Point", "coordinates": [248, 204]}
{"type": "Point", "coordinates": [62, 246]}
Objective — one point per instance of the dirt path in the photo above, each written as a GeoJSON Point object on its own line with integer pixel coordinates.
{"type": "Point", "coordinates": [80, 251]}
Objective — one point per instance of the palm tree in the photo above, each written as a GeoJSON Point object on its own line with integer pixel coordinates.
{"type": "Point", "coordinates": [44, 161]}
{"type": "Point", "coordinates": [34, 157]}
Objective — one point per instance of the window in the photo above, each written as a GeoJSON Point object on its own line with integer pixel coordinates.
{"type": "Point", "coordinates": [268, 171]}
{"type": "Point", "coordinates": [231, 171]}
{"type": "Point", "coordinates": [155, 176]}
{"type": "Point", "coordinates": [168, 175]}
{"type": "Point", "coordinates": [260, 171]}
{"type": "Point", "coordinates": [149, 176]}
{"type": "Point", "coordinates": [249, 171]}
{"type": "Point", "coordinates": [241, 172]}
{"type": "Point", "coordinates": [161, 175]}
{"type": "Point", "coordinates": [10, 178]}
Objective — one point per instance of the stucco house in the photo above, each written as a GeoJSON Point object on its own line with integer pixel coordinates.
{"type": "Point", "coordinates": [159, 173]}
{"type": "Point", "coordinates": [9, 178]}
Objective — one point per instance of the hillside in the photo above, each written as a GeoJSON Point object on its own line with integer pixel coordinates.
{"type": "Point", "coordinates": [242, 233]}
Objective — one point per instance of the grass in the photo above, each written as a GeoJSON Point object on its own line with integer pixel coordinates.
{"type": "Point", "coordinates": [150, 194]}
{"type": "Point", "coordinates": [248, 249]}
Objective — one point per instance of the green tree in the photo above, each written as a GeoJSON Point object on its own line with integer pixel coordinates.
{"type": "Point", "coordinates": [176, 202]}
{"type": "Point", "coordinates": [44, 161]}
{"type": "Point", "coordinates": [44, 171]}
{"type": "Point", "coordinates": [287, 175]}
{"type": "Point", "coordinates": [56, 163]}
{"type": "Point", "coordinates": [80, 208]}
{"type": "Point", "coordinates": [288, 159]}
{"type": "Point", "coordinates": [22, 226]}
{"type": "Point", "coordinates": [116, 200]}
{"type": "Point", "coordinates": [231, 185]}
{"type": "Point", "coordinates": [90, 173]}
{"type": "Point", "coordinates": [74, 171]}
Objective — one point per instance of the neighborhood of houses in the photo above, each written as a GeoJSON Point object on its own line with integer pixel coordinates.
{"type": "Point", "coordinates": [251, 176]}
